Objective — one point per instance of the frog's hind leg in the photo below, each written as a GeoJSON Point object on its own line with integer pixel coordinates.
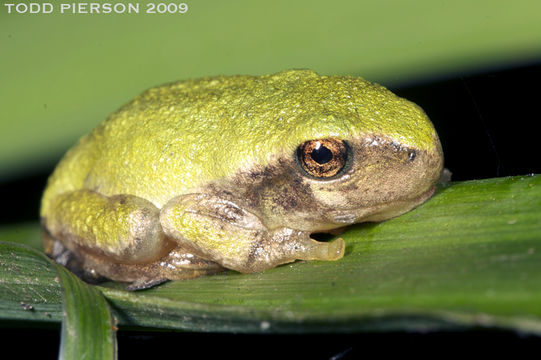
{"type": "Point", "coordinates": [121, 228]}
{"type": "Point", "coordinates": [178, 264]}
{"type": "Point", "coordinates": [95, 268]}
{"type": "Point", "coordinates": [84, 229]}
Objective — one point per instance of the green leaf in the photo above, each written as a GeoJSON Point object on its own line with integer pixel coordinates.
{"type": "Point", "coordinates": [87, 324]}
{"type": "Point", "coordinates": [29, 289]}
{"type": "Point", "coordinates": [32, 287]}
{"type": "Point", "coordinates": [469, 257]}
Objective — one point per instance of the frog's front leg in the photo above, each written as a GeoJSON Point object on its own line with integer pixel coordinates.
{"type": "Point", "coordinates": [219, 230]}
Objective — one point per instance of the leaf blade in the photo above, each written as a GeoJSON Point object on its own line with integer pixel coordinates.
{"type": "Point", "coordinates": [32, 287]}
{"type": "Point", "coordinates": [28, 289]}
{"type": "Point", "coordinates": [87, 325]}
{"type": "Point", "coordinates": [470, 256]}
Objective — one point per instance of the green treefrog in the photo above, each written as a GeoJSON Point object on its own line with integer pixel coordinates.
{"type": "Point", "coordinates": [236, 172]}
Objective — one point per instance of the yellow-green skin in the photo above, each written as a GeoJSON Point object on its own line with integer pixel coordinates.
{"type": "Point", "coordinates": [202, 174]}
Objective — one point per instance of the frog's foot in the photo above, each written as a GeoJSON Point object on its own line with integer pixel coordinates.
{"type": "Point", "coordinates": [285, 245]}
{"type": "Point", "coordinates": [219, 230]}
{"type": "Point", "coordinates": [177, 265]}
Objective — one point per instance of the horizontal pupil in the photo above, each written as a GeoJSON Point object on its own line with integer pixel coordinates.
{"type": "Point", "coordinates": [321, 155]}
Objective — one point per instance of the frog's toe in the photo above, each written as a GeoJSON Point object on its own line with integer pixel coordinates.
{"type": "Point", "coordinates": [145, 283]}
{"type": "Point", "coordinates": [316, 250]}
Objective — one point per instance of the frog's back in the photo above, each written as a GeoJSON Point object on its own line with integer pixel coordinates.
{"type": "Point", "coordinates": [174, 138]}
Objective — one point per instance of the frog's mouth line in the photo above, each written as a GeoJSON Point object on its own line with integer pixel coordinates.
{"type": "Point", "coordinates": [402, 206]}
{"type": "Point", "coordinates": [424, 196]}
{"type": "Point", "coordinates": [380, 212]}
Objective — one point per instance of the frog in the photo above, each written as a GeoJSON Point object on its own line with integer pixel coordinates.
{"type": "Point", "coordinates": [237, 172]}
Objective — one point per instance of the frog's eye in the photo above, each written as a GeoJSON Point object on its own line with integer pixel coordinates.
{"type": "Point", "coordinates": [323, 158]}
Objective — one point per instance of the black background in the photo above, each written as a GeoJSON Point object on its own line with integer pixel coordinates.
{"type": "Point", "coordinates": [488, 126]}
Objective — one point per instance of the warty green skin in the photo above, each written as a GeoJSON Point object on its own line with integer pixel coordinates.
{"type": "Point", "coordinates": [207, 168]}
